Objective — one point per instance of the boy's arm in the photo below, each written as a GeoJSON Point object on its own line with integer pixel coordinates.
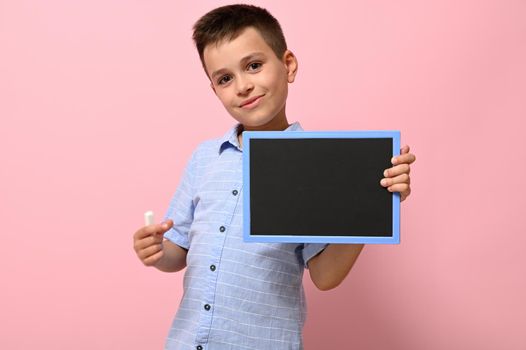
{"type": "Point", "coordinates": [173, 258]}
{"type": "Point", "coordinates": [329, 268]}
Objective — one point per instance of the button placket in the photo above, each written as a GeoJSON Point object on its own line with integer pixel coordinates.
{"type": "Point", "coordinates": [231, 201]}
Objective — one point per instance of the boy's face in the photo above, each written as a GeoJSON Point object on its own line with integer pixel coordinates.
{"type": "Point", "coordinates": [251, 82]}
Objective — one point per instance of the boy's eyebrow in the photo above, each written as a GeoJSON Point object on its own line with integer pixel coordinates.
{"type": "Point", "coordinates": [251, 56]}
{"type": "Point", "coordinates": [243, 61]}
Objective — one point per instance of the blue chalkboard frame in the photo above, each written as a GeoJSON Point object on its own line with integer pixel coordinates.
{"type": "Point", "coordinates": [250, 135]}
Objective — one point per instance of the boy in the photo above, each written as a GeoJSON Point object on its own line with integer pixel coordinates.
{"type": "Point", "coordinates": [241, 295]}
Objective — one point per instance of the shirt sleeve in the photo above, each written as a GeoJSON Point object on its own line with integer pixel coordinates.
{"type": "Point", "coordinates": [181, 207]}
{"type": "Point", "coordinates": [310, 250]}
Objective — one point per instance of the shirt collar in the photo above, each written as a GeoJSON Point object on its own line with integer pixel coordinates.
{"type": "Point", "coordinates": [230, 139]}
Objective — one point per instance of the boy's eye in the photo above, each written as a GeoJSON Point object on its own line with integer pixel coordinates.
{"type": "Point", "coordinates": [224, 79]}
{"type": "Point", "coordinates": [254, 66]}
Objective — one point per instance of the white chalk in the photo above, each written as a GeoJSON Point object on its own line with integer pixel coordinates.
{"type": "Point", "coordinates": [148, 218]}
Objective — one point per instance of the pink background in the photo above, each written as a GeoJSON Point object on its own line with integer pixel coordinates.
{"type": "Point", "coordinates": [101, 103]}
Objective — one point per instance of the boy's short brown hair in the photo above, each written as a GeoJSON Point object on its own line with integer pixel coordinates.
{"type": "Point", "coordinates": [227, 22]}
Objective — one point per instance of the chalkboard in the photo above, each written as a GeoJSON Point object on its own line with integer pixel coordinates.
{"type": "Point", "coordinates": [322, 187]}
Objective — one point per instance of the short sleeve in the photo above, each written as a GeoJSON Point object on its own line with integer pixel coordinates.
{"type": "Point", "coordinates": [310, 250]}
{"type": "Point", "coordinates": [181, 207]}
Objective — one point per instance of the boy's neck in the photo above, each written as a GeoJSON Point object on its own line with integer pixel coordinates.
{"type": "Point", "coordinates": [282, 125]}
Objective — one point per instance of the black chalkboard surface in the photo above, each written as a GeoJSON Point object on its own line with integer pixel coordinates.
{"type": "Point", "coordinates": [319, 187]}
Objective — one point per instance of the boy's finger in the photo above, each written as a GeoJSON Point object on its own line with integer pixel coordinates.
{"type": "Point", "coordinates": [153, 259]}
{"type": "Point", "coordinates": [149, 251]}
{"type": "Point", "coordinates": [403, 178]}
{"type": "Point", "coordinates": [407, 158]}
{"type": "Point", "coordinates": [164, 226]}
{"type": "Point", "coordinates": [402, 188]}
{"type": "Point", "coordinates": [147, 241]}
{"type": "Point", "coordinates": [397, 170]}
{"type": "Point", "coordinates": [405, 194]}
{"type": "Point", "coordinates": [159, 228]}
{"type": "Point", "coordinates": [153, 229]}
{"type": "Point", "coordinates": [142, 232]}
{"type": "Point", "coordinates": [140, 244]}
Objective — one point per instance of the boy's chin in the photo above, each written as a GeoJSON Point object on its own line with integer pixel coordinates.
{"type": "Point", "coordinates": [256, 123]}
{"type": "Point", "coordinates": [251, 124]}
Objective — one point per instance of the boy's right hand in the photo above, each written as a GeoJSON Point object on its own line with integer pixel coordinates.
{"type": "Point", "coordinates": [148, 242]}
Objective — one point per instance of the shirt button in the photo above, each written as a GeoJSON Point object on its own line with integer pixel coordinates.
{"type": "Point", "coordinates": [235, 192]}
{"type": "Point", "coordinates": [207, 307]}
{"type": "Point", "coordinates": [199, 347]}
{"type": "Point", "coordinates": [222, 229]}
{"type": "Point", "coordinates": [212, 267]}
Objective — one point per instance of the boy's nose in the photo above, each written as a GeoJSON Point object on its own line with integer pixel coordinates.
{"type": "Point", "coordinates": [244, 86]}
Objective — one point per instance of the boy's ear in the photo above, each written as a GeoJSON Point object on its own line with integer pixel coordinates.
{"type": "Point", "coordinates": [291, 63]}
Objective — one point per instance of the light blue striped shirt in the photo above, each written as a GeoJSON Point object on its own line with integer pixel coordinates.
{"type": "Point", "coordinates": [237, 295]}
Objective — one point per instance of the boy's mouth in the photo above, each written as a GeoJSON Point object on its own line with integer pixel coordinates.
{"type": "Point", "coordinates": [251, 102]}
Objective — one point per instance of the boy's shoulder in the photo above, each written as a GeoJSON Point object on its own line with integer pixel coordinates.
{"type": "Point", "coordinates": [217, 144]}
{"type": "Point", "coordinates": [211, 149]}
{"type": "Point", "coordinates": [208, 145]}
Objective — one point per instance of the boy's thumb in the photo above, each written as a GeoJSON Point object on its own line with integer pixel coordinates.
{"type": "Point", "coordinates": [166, 225]}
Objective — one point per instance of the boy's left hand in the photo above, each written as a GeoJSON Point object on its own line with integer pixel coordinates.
{"type": "Point", "coordinates": [396, 178]}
